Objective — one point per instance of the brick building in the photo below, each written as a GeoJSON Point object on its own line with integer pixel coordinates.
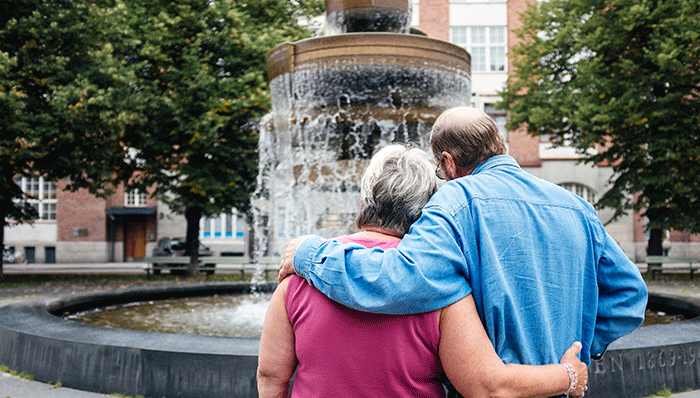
{"type": "Point", "coordinates": [78, 227]}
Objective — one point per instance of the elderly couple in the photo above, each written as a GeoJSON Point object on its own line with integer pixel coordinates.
{"type": "Point", "coordinates": [498, 280]}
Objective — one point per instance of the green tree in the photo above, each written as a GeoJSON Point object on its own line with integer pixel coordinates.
{"type": "Point", "coordinates": [56, 103]}
{"type": "Point", "coordinates": [160, 94]}
{"type": "Point", "coordinates": [14, 152]}
{"type": "Point", "coordinates": [620, 76]}
{"type": "Point", "coordinates": [198, 87]}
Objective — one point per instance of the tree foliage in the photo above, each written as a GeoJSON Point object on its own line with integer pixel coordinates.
{"type": "Point", "coordinates": [199, 86]}
{"type": "Point", "coordinates": [52, 70]}
{"type": "Point", "coordinates": [15, 152]}
{"type": "Point", "coordinates": [54, 88]}
{"type": "Point", "coordinates": [620, 76]}
{"type": "Point", "coordinates": [158, 94]}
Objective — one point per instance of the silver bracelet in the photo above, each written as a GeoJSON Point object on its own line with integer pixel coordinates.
{"type": "Point", "coordinates": [573, 378]}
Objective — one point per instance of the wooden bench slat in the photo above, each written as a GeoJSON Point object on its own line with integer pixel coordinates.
{"type": "Point", "coordinates": [167, 260]}
{"type": "Point", "coordinates": [655, 264]}
{"type": "Point", "coordinates": [666, 259]}
{"type": "Point", "coordinates": [236, 263]}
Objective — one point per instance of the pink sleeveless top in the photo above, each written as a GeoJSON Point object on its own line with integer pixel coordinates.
{"type": "Point", "coordinates": [348, 353]}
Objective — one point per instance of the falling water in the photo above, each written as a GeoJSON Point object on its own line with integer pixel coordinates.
{"type": "Point", "coordinates": [326, 122]}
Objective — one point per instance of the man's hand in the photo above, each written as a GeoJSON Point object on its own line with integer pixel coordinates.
{"type": "Point", "coordinates": [287, 265]}
{"type": "Point", "coordinates": [580, 368]}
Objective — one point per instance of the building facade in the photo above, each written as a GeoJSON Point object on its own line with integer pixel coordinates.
{"type": "Point", "coordinates": [77, 227]}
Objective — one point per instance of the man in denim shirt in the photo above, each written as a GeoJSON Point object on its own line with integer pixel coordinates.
{"type": "Point", "coordinates": [542, 269]}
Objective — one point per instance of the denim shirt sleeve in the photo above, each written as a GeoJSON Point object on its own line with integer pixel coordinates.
{"type": "Point", "coordinates": [426, 272]}
{"type": "Point", "coordinates": [622, 297]}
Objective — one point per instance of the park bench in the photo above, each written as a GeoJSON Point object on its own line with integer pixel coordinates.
{"type": "Point", "coordinates": [655, 264]}
{"type": "Point", "coordinates": [242, 264]}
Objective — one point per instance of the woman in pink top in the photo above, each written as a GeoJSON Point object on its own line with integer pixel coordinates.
{"type": "Point", "coordinates": [340, 352]}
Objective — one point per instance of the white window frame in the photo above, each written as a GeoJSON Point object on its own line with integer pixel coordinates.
{"type": "Point", "coordinates": [41, 195]}
{"type": "Point", "coordinates": [477, 1]}
{"type": "Point", "coordinates": [489, 52]}
{"type": "Point", "coordinates": [223, 226]}
{"type": "Point", "coordinates": [584, 191]}
{"type": "Point", "coordinates": [135, 198]}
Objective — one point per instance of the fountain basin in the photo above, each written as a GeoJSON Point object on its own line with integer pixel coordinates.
{"type": "Point", "coordinates": [363, 76]}
{"type": "Point", "coordinates": [91, 358]}
{"type": "Point", "coordinates": [349, 16]}
{"type": "Point", "coordinates": [653, 357]}
{"type": "Point", "coordinates": [105, 360]}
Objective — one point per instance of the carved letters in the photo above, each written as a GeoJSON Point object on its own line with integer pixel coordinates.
{"type": "Point", "coordinates": [641, 360]}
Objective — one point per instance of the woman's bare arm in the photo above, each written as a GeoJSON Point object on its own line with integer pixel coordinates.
{"type": "Point", "coordinates": [472, 365]}
{"type": "Point", "coordinates": [277, 359]}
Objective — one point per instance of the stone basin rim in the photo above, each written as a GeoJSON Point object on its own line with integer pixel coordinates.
{"type": "Point", "coordinates": [41, 318]}
{"type": "Point", "coordinates": [48, 311]}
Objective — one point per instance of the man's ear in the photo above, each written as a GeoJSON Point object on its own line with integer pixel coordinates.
{"type": "Point", "coordinates": [449, 165]}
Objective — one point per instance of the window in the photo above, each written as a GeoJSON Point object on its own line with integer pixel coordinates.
{"type": "Point", "coordinates": [499, 116]}
{"type": "Point", "coordinates": [477, 1]}
{"type": "Point", "coordinates": [134, 198]}
{"type": "Point", "coordinates": [581, 190]}
{"type": "Point", "coordinates": [486, 44]}
{"type": "Point", "coordinates": [48, 211]}
{"type": "Point", "coordinates": [42, 196]}
{"type": "Point", "coordinates": [223, 226]}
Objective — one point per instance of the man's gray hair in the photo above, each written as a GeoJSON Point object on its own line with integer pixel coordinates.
{"type": "Point", "coordinates": [396, 185]}
{"type": "Point", "coordinates": [468, 134]}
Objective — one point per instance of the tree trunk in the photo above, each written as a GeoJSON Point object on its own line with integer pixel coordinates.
{"type": "Point", "coordinates": [655, 244]}
{"type": "Point", "coordinates": [193, 214]}
{"type": "Point", "coordinates": [654, 248]}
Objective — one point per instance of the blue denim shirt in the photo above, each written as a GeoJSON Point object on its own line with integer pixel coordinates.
{"type": "Point", "coordinates": [542, 269]}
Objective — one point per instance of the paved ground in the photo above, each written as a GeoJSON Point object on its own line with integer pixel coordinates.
{"type": "Point", "coordinates": [15, 387]}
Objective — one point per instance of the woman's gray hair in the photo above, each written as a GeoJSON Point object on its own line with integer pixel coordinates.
{"type": "Point", "coordinates": [396, 185]}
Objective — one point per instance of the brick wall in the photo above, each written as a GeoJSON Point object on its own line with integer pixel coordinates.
{"type": "Point", "coordinates": [435, 18]}
{"type": "Point", "coordinates": [117, 199]}
{"type": "Point", "coordinates": [514, 8]}
{"type": "Point", "coordinates": [79, 212]}
{"type": "Point", "coordinates": [523, 147]}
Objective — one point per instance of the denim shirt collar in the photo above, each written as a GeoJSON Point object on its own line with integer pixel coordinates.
{"type": "Point", "coordinates": [495, 161]}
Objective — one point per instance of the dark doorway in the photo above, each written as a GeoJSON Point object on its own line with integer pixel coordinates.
{"type": "Point", "coordinates": [135, 237]}
{"type": "Point", "coordinates": [30, 254]}
{"type": "Point", "coordinates": [50, 255]}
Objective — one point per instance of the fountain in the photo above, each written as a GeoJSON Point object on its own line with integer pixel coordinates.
{"type": "Point", "coordinates": [336, 99]}
{"type": "Point", "coordinates": [229, 315]}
